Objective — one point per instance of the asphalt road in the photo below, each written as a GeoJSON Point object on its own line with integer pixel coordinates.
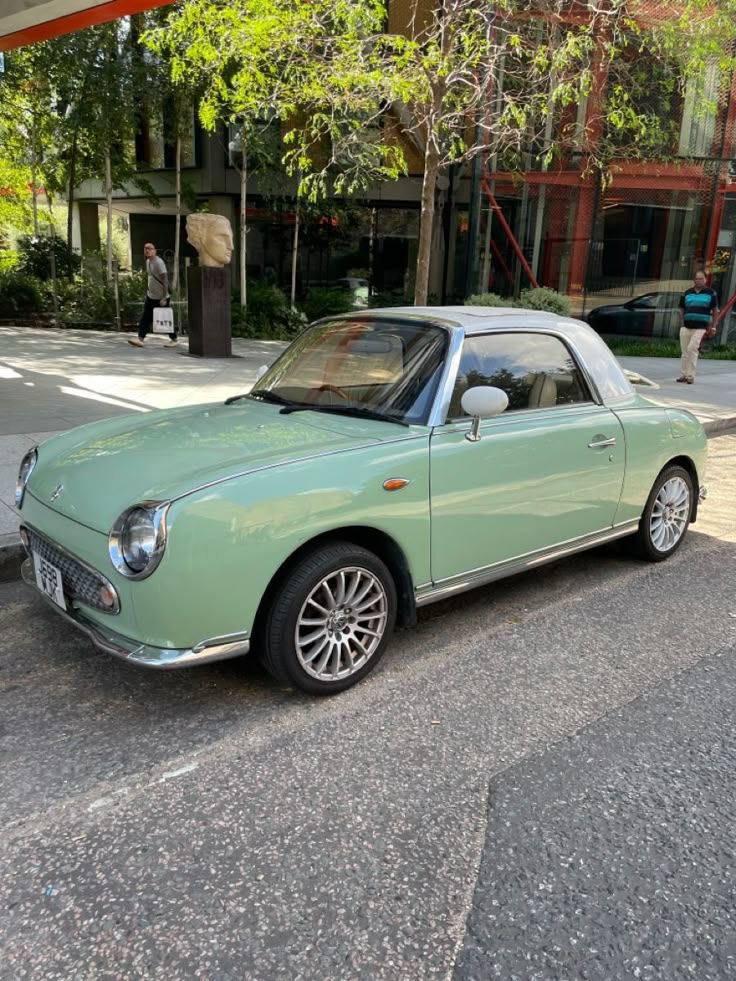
{"type": "Point", "coordinates": [535, 783]}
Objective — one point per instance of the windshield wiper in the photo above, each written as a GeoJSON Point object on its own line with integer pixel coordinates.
{"type": "Point", "coordinates": [345, 410]}
{"type": "Point", "coordinates": [263, 395]}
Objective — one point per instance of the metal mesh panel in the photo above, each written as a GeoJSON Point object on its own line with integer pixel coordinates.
{"type": "Point", "coordinates": [79, 582]}
{"type": "Point", "coordinates": [666, 206]}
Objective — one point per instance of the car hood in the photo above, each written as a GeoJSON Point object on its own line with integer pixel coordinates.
{"type": "Point", "coordinates": [108, 466]}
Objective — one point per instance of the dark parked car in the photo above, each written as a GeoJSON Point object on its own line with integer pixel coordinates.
{"type": "Point", "coordinates": [649, 315]}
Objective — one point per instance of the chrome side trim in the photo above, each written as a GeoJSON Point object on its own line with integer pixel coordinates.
{"type": "Point", "coordinates": [443, 395]}
{"type": "Point", "coordinates": [110, 642]}
{"type": "Point", "coordinates": [499, 570]}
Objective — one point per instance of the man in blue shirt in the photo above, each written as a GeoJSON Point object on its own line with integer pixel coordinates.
{"type": "Point", "coordinates": [698, 311]}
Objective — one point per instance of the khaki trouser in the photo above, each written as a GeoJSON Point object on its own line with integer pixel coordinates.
{"type": "Point", "coordinates": [689, 343]}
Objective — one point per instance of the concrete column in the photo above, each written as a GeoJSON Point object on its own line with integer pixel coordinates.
{"type": "Point", "coordinates": [86, 228]}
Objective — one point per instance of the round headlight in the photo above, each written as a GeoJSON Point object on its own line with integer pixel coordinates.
{"type": "Point", "coordinates": [138, 539]}
{"type": "Point", "coordinates": [26, 469]}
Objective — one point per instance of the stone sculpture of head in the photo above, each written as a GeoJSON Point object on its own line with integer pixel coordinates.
{"type": "Point", "coordinates": [212, 237]}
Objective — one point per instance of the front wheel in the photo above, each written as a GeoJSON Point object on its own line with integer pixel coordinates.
{"type": "Point", "coordinates": [331, 620]}
{"type": "Point", "coordinates": [666, 516]}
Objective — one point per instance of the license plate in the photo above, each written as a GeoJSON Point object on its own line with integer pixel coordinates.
{"type": "Point", "coordinates": [48, 580]}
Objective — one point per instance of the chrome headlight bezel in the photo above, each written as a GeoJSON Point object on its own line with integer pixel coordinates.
{"type": "Point", "coordinates": [156, 512]}
{"type": "Point", "coordinates": [27, 466]}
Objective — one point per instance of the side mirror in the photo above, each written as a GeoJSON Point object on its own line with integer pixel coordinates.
{"type": "Point", "coordinates": [482, 402]}
{"type": "Point", "coordinates": [261, 371]}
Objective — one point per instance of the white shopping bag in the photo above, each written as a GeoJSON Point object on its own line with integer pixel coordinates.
{"type": "Point", "coordinates": [163, 320]}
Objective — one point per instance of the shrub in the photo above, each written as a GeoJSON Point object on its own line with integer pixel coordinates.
{"type": "Point", "coordinates": [544, 298]}
{"type": "Point", "coordinates": [8, 259]}
{"type": "Point", "coordinates": [325, 302]}
{"type": "Point", "coordinates": [132, 290]}
{"type": "Point", "coordinates": [489, 300]}
{"type": "Point", "coordinates": [35, 257]}
{"type": "Point", "coordinates": [19, 294]}
{"type": "Point", "coordinates": [267, 313]}
{"type": "Point", "coordinates": [390, 298]}
{"type": "Point", "coordinates": [86, 301]}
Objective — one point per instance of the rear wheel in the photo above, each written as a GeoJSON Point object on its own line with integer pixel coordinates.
{"type": "Point", "coordinates": [331, 620]}
{"type": "Point", "coordinates": [666, 516]}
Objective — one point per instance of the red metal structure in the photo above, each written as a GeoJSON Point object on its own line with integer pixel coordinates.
{"type": "Point", "coordinates": [23, 22]}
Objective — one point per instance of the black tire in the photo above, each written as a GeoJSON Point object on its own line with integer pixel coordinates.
{"type": "Point", "coordinates": [645, 543]}
{"type": "Point", "coordinates": [347, 630]}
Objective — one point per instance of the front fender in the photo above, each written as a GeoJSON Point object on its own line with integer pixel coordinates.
{"type": "Point", "coordinates": [226, 542]}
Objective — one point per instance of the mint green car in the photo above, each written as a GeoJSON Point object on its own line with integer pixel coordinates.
{"type": "Point", "coordinates": [388, 459]}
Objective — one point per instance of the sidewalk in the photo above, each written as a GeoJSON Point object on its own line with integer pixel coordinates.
{"type": "Point", "coordinates": [52, 380]}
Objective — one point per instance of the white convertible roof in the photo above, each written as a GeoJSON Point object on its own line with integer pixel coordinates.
{"type": "Point", "coordinates": [605, 370]}
{"type": "Point", "coordinates": [476, 319]}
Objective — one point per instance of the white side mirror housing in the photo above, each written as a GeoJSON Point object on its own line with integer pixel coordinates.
{"type": "Point", "coordinates": [482, 402]}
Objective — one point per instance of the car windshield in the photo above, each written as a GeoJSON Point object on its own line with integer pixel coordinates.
{"type": "Point", "coordinates": [377, 367]}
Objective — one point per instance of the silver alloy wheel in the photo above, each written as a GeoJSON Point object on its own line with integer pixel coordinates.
{"type": "Point", "coordinates": [341, 624]}
{"type": "Point", "coordinates": [670, 513]}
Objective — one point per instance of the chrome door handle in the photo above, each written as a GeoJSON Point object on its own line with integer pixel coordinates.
{"type": "Point", "coordinates": [597, 444]}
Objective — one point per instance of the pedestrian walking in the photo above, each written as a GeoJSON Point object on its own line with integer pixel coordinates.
{"type": "Point", "coordinates": [157, 295]}
{"type": "Point", "coordinates": [698, 312]}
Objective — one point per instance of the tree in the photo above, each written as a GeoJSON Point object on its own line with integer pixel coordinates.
{"type": "Point", "coordinates": [260, 61]}
{"type": "Point", "coordinates": [503, 81]}
{"type": "Point", "coordinates": [15, 199]}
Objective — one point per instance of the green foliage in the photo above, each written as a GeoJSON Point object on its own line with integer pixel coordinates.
{"type": "Point", "coordinates": [15, 199]}
{"type": "Point", "coordinates": [390, 298]}
{"type": "Point", "coordinates": [8, 259]}
{"type": "Point", "coordinates": [312, 66]}
{"type": "Point", "coordinates": [267, 314]}
{"type": "Point", "coordinates": [539, 298]}
{"type": "Point", "coordinates": [34, 257]}
{"type": "Point", "coordinates": [630, 347]}
{"type": "Point", "coordinates": [489, 300]}
{"type": "Point", "coordinates": [325, 302]}
{"type": "Point", "coordinates": [543, 298]}
{"type": "Point", "coordinates": [20, 293]}
{"type": "Point", "coordinates": [132, 293]}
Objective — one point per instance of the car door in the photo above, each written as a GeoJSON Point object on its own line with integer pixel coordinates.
{"type": "Point", "coordinates": [641, 315]}
{"type": "Point", "coordinates": [548, 470]}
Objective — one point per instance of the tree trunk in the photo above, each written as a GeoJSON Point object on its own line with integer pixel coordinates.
{"type": "Point", "coordinates": [34, 167]}
{"type": "Point", "coordinates": [70, 199]}
{"type": "Point", "coordinates": [108, 199]}
{"type": "Point", "coordinates": [426, 225]}
{"type": "Point", "coordinates": [177, 230]}
{"type": "Point", "coordinates": [243, 227]}
{"type": "Point", "coordinates": [294, 255]}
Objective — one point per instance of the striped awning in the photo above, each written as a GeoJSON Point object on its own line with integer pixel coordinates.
{"type": "Point", "coordinates": [25, 21]}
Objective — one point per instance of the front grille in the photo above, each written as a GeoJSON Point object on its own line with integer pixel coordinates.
{"type": "Point", "coordinates": [80, 583]}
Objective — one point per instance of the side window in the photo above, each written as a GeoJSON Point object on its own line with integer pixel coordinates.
{"type": "Point", "coordinates": [535, 370]}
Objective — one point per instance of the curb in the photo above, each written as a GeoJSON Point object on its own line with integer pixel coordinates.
{"type": "Point", "coordinates": [12, 555]}
{"type": "Point", "coordinates": [718, 427]}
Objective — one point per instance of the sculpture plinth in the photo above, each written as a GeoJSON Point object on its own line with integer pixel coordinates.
{"type": "Point", "coordinates": [210, 325]}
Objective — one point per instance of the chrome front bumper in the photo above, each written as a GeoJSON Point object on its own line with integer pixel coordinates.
{"type": "Point", "coordinates": [215, 649]}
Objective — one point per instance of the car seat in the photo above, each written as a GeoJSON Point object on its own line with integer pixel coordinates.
{"type": "Point", "coordinates": [543, 392]}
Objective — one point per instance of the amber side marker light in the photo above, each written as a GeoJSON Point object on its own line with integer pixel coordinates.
{"type": "Point", "coordinates": [395, 483]}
